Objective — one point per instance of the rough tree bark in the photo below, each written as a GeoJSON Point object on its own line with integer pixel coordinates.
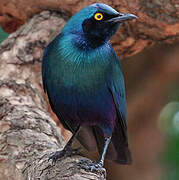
{"type": "Point", "coordinates": [27, 132]}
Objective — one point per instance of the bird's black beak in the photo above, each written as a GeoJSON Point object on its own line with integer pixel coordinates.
{"type": "Point", "coordinates": [122, 17]}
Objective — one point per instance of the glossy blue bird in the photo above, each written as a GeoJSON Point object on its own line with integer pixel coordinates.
{"type": "Point", "coordinates": [85, 86]}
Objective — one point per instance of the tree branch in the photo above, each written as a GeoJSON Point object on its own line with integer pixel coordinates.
{"type": "Point", "coordinates": [28, 135]}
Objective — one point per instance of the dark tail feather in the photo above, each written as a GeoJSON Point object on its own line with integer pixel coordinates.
{"type": "Point", "coordinates": [86, 137]}
{"type": "Point", "coordinates": [119, 142]}
{"type": "Point", "coordinates": [118, 149]}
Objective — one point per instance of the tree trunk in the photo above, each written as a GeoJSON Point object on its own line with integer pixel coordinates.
{"type": "Point", "coordinates": [28, 135]}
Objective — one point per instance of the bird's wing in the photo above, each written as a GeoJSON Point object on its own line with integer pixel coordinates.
{"type": "Point", "coordinates": [117, 89]}
{"type": "Point", "coordinates": [119, 139]}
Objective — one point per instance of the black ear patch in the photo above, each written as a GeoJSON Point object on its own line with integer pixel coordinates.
{"type": "Point", "coordinates": [96, 32]}
{"type": "Point", "coordinates": [92, 23]}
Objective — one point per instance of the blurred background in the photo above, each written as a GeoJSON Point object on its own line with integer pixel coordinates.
{"type": "Point", "coordinates": [152, 85]}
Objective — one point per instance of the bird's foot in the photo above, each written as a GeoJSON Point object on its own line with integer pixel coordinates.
{"type": "Point", "coordinates": [91, 166]}
{"type": "Point", "coordinates": [66, 152]}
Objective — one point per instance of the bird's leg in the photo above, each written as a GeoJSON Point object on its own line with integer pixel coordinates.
{"type": "Point", "coordinates": [99, 165]}
{"type": "Point", "coordinates": [106, 144]}
{"type": "Point", "coordinates": [67, 150]}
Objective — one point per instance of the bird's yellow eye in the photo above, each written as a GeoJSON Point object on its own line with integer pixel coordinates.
{"type": "Point", "coordinates": [98, 16]}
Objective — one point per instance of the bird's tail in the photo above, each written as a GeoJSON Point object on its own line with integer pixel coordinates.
{"type": "Point", "coordinates": [118, 149]}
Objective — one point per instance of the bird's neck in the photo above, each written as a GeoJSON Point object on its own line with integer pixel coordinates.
{"type": "Point", "coordinates": [89, 41]}
{"type": "Point", "coordinates": [94, 41]}
{"type": "Point", "coordinates": [74, 48]}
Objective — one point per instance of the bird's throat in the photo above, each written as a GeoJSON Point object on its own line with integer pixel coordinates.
{"type": "Point", "coordinates": [94, 41]}
{"type": "Point", "coordinates": [89, 41]}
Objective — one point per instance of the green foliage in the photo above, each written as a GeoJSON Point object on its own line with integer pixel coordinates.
{"type": "Point", "coordinates": [169, 124]}
{"type": "Point", "coordinates": [3, 35]}
{"type": "Point", "coordinates": [171, 159]}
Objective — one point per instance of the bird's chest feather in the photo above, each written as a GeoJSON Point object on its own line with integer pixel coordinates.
{"type": "Point", "coordinates": [73, 69]}
{"type": "Point", "coordinates": [77, 82]}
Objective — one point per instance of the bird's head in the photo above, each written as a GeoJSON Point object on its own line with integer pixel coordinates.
{"type": "Point", "coordinates": [96, 23]}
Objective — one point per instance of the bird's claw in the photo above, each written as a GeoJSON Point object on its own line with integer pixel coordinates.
{"type": "Point", "coordinates": [63, 154]}
{"type": "Point", "coordinates": [56, 155]}
{"type": "Point", "coordinates": [91, 166]}
{"type": "Point", "coordinates": [96, 167]}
